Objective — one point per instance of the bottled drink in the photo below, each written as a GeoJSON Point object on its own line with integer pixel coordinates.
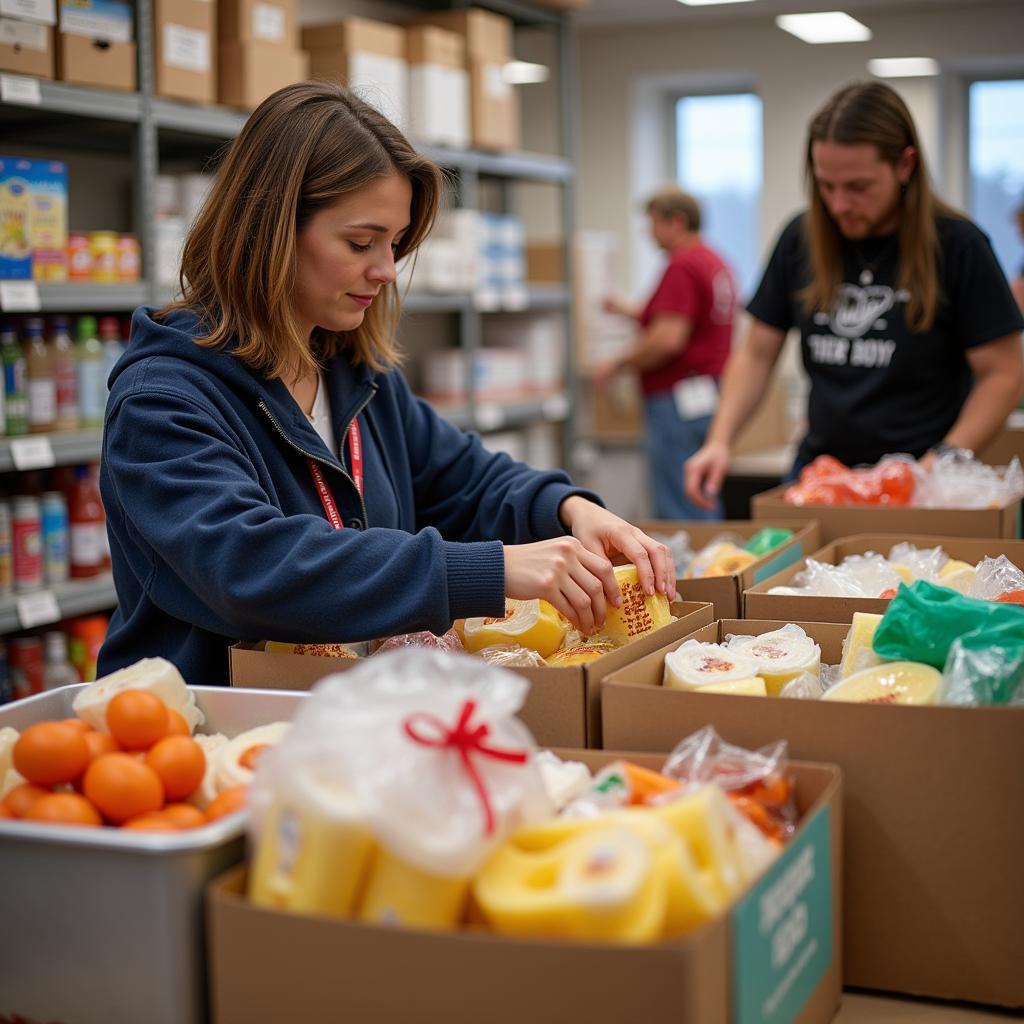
{"type": "Point", "coordinates": [42, 383]}
{"type": "Point", "coordinates": [113, 347]}
{"type": "Point", "coordinates": [15, 396]}
{"type": "Point", "coordinates": [56, 563]}
{"type": "Point", "coordinates": [87, 526]}
{"type": "Point", "coordinates": [25, 661]}
{"type": "Point", "coordinates": [65, 372]}
{"type": "Point", "coordinates": [57, 670]}
{"type": "Point", "coordinates": [91, 388]}
{"type": "Point", "coordinates": [6, 548]}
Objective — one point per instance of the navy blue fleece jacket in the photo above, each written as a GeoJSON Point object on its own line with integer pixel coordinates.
{"type": "Point", "coordinates": [217, 533]}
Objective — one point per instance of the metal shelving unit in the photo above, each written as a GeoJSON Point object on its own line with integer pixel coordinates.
{"type": "Point", "coordinates": [76, 597]}
{"type": "Point", "coordinates": [70, 448]}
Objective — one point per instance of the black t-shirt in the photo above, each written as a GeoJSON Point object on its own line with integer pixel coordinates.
{"type": "Point", "coordinates": [876, 387]}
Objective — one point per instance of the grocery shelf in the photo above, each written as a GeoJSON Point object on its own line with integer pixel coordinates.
{"type": "Point", "coordinates": [551, 408]}
{"type": "Point", "coordinates": [529, 166]}
{"type": "Point", "coordinates": [195, 119]}
{"type": "Point", "coordinates": [533, 297]}
{"type": "Point", "coordinates": [76, 597]}
{"type": "Point", "coordinates": [59, 98]}
{"type": "Point", "coordinates": [92, 298]}
{"type": "Point", "coordinates": [436, 302]}
{"type": "Point", "coordinates": [545, 296]}
{"type": "Point", "coordinates": [70, 448]}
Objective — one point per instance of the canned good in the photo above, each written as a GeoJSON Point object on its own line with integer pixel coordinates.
{"type": "Point", "coordinates": [25, 661]}
{"type": "Point", "coordinates": [54, 515]}
{"type": "Point", "coordinates": [27, 544]}
{"type": "Point", "coordinates": [103, 249]}
{"type": "Point", "coordinates": [6, 549]}
{"type": "Point", "coordinates": [128, 258]}
{"type": "Point", "coordinates": [79, 258]}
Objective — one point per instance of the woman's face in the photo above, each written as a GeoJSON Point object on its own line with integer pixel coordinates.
{"type": "Point", "coordinates": [346, 254]}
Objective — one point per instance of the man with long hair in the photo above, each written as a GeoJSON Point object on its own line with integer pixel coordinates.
{"type": "Point", "coordinates": [909, 332]}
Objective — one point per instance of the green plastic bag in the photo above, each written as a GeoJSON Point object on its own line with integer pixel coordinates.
{"type": "Point", "coordinates": [766, 540]}
{"type": "Point", "coordinates": [923, 620]}
{"type": "Point", "coordinates": [986, 668]}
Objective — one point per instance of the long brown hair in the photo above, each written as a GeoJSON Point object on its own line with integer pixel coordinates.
{"type": "Point", "coordinates": [302, 149]}
{"type": "Point", "coordinates": [873, 113]}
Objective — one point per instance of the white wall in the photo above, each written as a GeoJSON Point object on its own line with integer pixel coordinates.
{"type": "Point", "coordinates": [623, 148]}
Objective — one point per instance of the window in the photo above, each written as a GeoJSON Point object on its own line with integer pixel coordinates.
{"type": "Point", "coordinates": [996, 154]}
{"type": "Point", "coordinates": [719, 160]}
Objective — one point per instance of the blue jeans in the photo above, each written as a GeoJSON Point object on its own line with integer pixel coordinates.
{"type": "Point", "coordinates": [671, 440]}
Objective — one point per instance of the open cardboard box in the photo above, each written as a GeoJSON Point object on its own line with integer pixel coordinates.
{"type": "Point", "coordinates": [562, 709]}
{"type": "Point", "coordinates": [726, 592]}
{"type": "Point", "coordinates": [933, 845]}
{"type": "Point", "coordinates": [846, 520]}
{"type": "Point", "coordinates": [759, 604]}
{"type": "Point", "coordinates": [272, 966]}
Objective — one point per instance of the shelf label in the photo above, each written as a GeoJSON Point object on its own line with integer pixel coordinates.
{"type": "Point", "coordinates": [555, 408]}
{"type": "Point", "coordinates": [19, 89]}
{"type": "Point", "coordinates": [37, 609]}
{"type": "Point", "coordinates": [489, 416]}
{"type": "Point", "coordinates": [32, 452]}
{"type": "Point", "coordinates": [19, 297]}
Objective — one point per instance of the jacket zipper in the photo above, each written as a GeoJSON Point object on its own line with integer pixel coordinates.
{"type": "Point", "coordinates": [265, 409]}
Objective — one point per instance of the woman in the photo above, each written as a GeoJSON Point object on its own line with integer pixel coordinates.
{"type": "Point", "coordinates": [267, 472]}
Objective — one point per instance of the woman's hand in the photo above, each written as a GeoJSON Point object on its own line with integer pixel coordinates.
{"type": "Point", "coordinates": [704, 472]}
{"type": "Point", "coordinates": [604, 533]}
{"type": "Point", "coordinates": [578, 582]}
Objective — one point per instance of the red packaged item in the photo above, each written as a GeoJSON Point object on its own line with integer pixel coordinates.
{"type": "Point", "coordinates": [25, 660]}
{"type": "Point", "coordinates": [826, 481]}
{"type": "Point", "coordinates": [87, 526]}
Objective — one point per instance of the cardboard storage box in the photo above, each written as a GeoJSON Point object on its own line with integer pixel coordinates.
{"type": "Point", "coordinates": [271, 966]}
{"type": "Point", "coordinates": [26, 49]}
{"type": "Point", "coordinates": [726, 592]}
{"type": "Point", "coordinates": [438, 86]}
{"type": "Point", "coordinates": [847, 520]}
{"type": "Point", "coordinates": [933, 845]}
{"type": "Point", "coordinates": [562, 708]}
{"type": "Point", "coordinates": [258, 21]}
{"type": "Point", "coordinates": [99, 62]}
{"type": "Point", "coordinates": [44, 12]}
{"type": "Point", "coordinates": [486, 34]}
{"type": "Point", "coordinates": [185, 46]}
{"type": "Point", "coordinates": [1007, 445]}
{"type": "Point", "coordinates": [759, 604]}
{"type": "Point", "coordinates": [249, 72]}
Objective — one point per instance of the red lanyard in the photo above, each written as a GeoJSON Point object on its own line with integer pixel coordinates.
{"type": "Point", "coordinates": [355, 458]}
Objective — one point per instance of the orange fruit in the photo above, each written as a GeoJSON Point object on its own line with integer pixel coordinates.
{"type": "Point", "coordinates": [180, 763]}
{"type": "Point", "coordinates": [251, 755]}
{"type": "Point", "coordinates": [122, 788]}
{"type": "Point", "coordinates": [21, 798]}
{"type": "Point", "coordinates": [137, 719]}
{"type": "Point", "coordinates": [77, 723]}
{"type": "Point", "coordinates": [177, 725]}
{"type": "Point", "coordinates": [230, 801]}
{"type": "Point", "coordinates": [5, 813]}
{"type": "Point", "coordinates": [64, 809]}
{"type": "Point", "coordinates": [50, 752]}
{"type": "Point", "coordinates": [184, 815]}
{"type": "Point", "coordinates": [99, 743]}
{"type": "Point", "coordinates": [152, 821]}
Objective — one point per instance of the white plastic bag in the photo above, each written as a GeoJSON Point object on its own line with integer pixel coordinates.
{"type": "Point", "coordinates": [867, 575]}
{"type": "Point", "coordinates": [923, 563]}
{"type": "Point", "coordinates": [959, 480]}
{"type": "Point", "coordinates": [995, 577]}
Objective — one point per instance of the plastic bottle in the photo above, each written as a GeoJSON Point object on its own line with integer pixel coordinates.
{"type": "Point", "coordinates": [65, 372]}
{"type": "Point", "coordinates": [91, 388]}
{"type": "Point", "coordinates": [87, 526]}
{"type": "Point", "coordinates": [15, 397]}
{"type": "Point", "coordinates": [56, 563]}
{"type": "Point", "coordinates": [113, 347]}
{"type": "Point", "coordinates": [42, 384]}
{"type": "Point", "coordinates": [27, 542]}
{"type": "Point", "coordinates": [57, 670]}
{"type": "Point", "coordinates": [6, 548]}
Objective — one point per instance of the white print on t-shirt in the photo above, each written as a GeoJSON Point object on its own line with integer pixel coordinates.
{"type": "Point", "coordinates": [857, 311]}
{"type": "Point", "coordinates": [723, 302]}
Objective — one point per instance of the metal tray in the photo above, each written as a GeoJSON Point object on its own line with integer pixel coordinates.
{"type": "Point", "coordinates": [98, 926]}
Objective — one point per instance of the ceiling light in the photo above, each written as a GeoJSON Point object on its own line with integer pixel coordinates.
{"type": "Point", "coordinates": [903, 67]}
{"type": "Point", "coordinates": [708, 3]}
{"type": "Point", "coordinates": [825, 27]}
{"type": "Point", "coordinates": [521, 72]}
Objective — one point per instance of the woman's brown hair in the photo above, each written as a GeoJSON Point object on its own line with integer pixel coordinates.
{"type": "Point", "coordinates": [872, 113]}
{"type": "Point", "coordinates": [301, 150]}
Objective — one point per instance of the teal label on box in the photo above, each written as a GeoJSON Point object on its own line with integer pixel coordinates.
{"type": "Point", "coordinates": [783, 560]}
{"type": "Point", "coordinates": [782, 931]}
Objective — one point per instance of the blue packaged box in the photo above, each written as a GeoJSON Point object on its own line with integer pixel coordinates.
{"type": "Point", "coordinates": [33, 218]}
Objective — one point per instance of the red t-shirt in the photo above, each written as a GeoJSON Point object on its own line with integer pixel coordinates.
{"type": "Point", "coordinates": [699, 285]}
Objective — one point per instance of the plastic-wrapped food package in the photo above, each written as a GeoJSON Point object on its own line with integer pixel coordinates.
{"type": "Point", "coordinates": [985, 668]}
{"type": "Point", "coordinates": [996, 579]}
{"type": "Point", "coordinates": [721, 556]}
{"type": "Point", "coordinates": [678, 545]}
{"type": "Point", "coordinates": [781, 655]}
{"type": "Point", "coordinates": [867, 575]}
{"type": "Point", "coordinates": [958, 480]}
{"type": "Point", "coordinates": [449, 642]}
{"type": "Point", "coordinates": [511, 656]}
{"type": "Point", "coordinates": [806, 686]}
{"type": "Point", "coordinates": [765, 541]}
{"type": "Point", "coordinates": [922, 563]}
{"type": "Point", "coordinates": [826, 481]}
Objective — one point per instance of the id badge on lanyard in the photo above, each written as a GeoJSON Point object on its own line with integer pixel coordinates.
{"type": "Point", "coordinates": [355, 456]}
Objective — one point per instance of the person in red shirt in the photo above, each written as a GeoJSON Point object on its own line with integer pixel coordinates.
{"type": "Point", "coordinates": [680, 350]}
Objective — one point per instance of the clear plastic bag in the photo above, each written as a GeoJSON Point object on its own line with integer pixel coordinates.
{"type": "Point", "coordinates": [511, 656]}
{"type": "Point", "coordinates": [755, 780]}
{"type": "Point", "coordinates": [449, 642]}
{"type": "Point", "coordinates": [994, 578]}
{"type": "Point", "coordinates": [678, 545]}
{"type": "Point", "coordinates": [726, 547]}
{"type": "Point", "coordinates": [958, 480]}
{"type": "Point", "coordinates": [806, 686]}
{"type": "Point", "coordinates": [985, 669]}
{"type": "Point", "coordinates": [867, 575]}
{"type": "Point", "coordinates": [923, 563]}
{"type": "Point", "coordinates": [428, 746]}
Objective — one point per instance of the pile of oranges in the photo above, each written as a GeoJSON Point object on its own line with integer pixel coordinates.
{"type": "Point", "coordinates": [137, 777]}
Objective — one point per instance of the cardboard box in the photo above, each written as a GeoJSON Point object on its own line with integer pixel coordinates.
{"type": "Point", "coordinates": [759, 604]}
{"type": "Point", "coordinates": [111, 20]}
{"type": "Point", "coordinates": [258, 21]}
{"type": "Point", "coordinates": [271, 966]}
{"type": "Point", "coordinates": [26, 48]}
{"type": "Point", "coordinates": [1007, 445]}
{"type": "Point", "coordinates": [368, 57]}
{"type": "Point", "coordinates": [184, 38]}
{"type": "Point", "coordinates": [725, 593]}
{"type": "Point", "coordinates": [846, 520]}
{"type": "Point", "coordinates": [932, 850]}
{"type": "Point", "coordinates": [486, 34]}
{"type": "Point", "coordinates": [438, 86]}
{"type": "Point", "coordinates": [43, 12]}
{"type": "Point", "coordinates": [249, 72]}
{"type": "Point", "coordinates": [563, 707]}
{"type": "Point", "coordinates": [494, 106]}
{"type": "Point", "coordinates": [82, 61]}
